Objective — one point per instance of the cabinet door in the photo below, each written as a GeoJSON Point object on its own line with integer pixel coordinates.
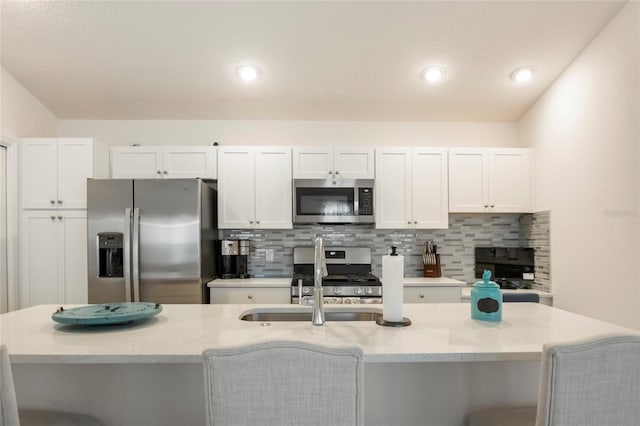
{"type": "Point", "coordinates": [75, 166]}
{"type": "Point", "coordinates": [468, 181]}
{"type": "Point", "coordinates": [312, 162]}
{"type": "Point", "coordinates": [429, 189]}
{"type": "Point", "coordinates": [38, 159]}
{"type": "Point", "coordinates": [511, 181]}
{"type": "Point", "coordinates": [353, 163]}
{"type": "Point", "coordinates": [431, 294]}
{"type": "Point", "coordinates": [136, 162]}
{"type": "Point", "coordinates": [393, 188]}
{"type": "Point", "coordinates": [273, 193]}
{"type": "Point", "coordinates": [189, 162]}
{"type": "Point", "coordinates": [242, 295]}
{"type": "Point", "coordinates": [72, 244]}
{"type": "Point", "coordinates": [236, 193]}
{"type": "Point", "coordinates": [39, 258]}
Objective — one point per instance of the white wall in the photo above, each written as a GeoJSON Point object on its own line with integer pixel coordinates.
{"type": "Point", "coordinates": [586, 131]}
{"type": "Point", "coordinates": [22, 114]}
{"type": "Point", "coordinates": [204, 132]}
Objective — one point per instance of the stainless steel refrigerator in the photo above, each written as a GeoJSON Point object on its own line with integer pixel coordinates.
{"type": "Point", "coordinates": [151, 240]}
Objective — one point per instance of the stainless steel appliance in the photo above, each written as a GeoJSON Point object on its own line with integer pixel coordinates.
{"type": "Point", "coordinates": [235, 258]}
{"type": "Point", "coordinates": [349, 278]}
{"type": "Point", "coordinates": [511, 267]}
{"type": "Point", "coordinates": [333, 201]}
{"type": "Point", "coordinates": [151, 240]}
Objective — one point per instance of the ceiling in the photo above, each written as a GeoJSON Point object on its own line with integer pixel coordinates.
{"type": "Point", "coordinates": [319, 60]}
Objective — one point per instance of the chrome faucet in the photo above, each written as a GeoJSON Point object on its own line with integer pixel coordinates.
{"type": "Point", "coordinates": [320, 271]}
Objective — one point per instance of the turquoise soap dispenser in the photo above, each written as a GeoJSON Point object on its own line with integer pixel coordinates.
{"type": "Point", "coordinates": [486, 299]}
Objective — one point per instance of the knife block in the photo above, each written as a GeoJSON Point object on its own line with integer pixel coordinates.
{"type": "Point", "coordinates": [433, 271]}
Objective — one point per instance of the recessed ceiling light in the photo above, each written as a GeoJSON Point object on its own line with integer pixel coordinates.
{"type": "Point", "coordinates": [433, 74]}
{"type": "Point", "coordinates": [522, 74]}
{"type": "Point", "coordinates": [248, 73]}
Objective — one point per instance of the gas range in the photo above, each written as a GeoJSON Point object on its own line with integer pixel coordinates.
{"type": "Point", "coordinates": [349, 278]}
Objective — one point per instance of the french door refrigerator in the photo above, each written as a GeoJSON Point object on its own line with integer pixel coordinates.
{"type": "Point", "coordinates": [151, 240]}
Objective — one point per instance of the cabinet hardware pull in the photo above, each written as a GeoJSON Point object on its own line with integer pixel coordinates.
{"type": "Point", "coordinates": [159, 172]}
{"type": "Point", "coordinates": [251, 222]}
{"type": "Point", "coordinates": [53, 218]}
{"type": "Point", "coordinates": [59, 217]}
{"type": "Point", "coordinates": [422, 296]}
{"type": "Point", "coordinates": [52, 202]}
{"type": "Point", "coordinates": [492, 206]}
{"type": "Point", "coordinates": [337, 172]}
{"type": "Point", "coordinates": [59, 201]}
{"type": "Point", "coordinates": [415, 222]}
{"type": "Point", "coordinates": [257, 222]}
{"type": "Point", "coordinates": [166, 172]}
{"type": "Point", "coordinates": [408, 222]}
{"type": "Point", "coordinates": [486, 205]}
{"type": "Point", "coordinates": [250, 296]}
{"type": "Point", "coordinates": [330, 172]}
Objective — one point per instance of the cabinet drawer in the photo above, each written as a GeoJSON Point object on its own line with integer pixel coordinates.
{"type": "Point", "coordinates": [431, 294]}
{"type": "Point", "coordinates": [249, 295]}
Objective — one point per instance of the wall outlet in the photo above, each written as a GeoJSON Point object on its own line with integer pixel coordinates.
{"type": "Point", "coordinates": [269, 255]}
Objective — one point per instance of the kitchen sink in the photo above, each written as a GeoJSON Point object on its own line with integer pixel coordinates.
{"type": "Point", "coordinates": [330, 314]}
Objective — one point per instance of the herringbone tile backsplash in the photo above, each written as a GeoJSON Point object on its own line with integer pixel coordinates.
{"type": "Point", "coordinates": [455, 244]}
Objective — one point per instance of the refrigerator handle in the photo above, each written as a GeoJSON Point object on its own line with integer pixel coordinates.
{"type": "Point", "coordinates": [136, 254]}
{"type": "Point", "coordinates": [127, 254]}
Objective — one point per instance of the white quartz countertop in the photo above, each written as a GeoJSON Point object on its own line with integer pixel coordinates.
{"type": "Point", "coordinates": [286, 282]}
{"type": "Point", "coordinates": [466, 293]}
{"type": "Point", "coordinates": [179, 334]}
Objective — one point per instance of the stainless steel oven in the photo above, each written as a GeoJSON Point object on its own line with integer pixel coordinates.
{"type": "Point", "coordinates": [349, 279]}
{"type": "Point", "coordinates": [333, 201]}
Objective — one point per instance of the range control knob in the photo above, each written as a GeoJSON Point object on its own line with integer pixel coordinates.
{"type": "Point", "coordinates": [368, 290]}
{"type": "Point", "coordinates": [357, 290]}
{"type": "Point", "coordinates": [306, 290]}
{"type": "Point", "coordinates": [337, 290]}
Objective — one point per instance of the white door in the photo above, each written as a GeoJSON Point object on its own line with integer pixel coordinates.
{"type": "Point", "coordinates": [511, 181]}
{"type": "Point", "coordinates": [39, 257]}
{"type": "Point", "coordinates": [429, 193]}
{"type": "Point", "coordinates": [312, 162]}
{"type": "Point", "coordinates": [189, 162]}
{"type": "Point", "coordinates": [353, 163]}
{"type": "Point", "coordinates": [4, 286]}
{"type": "Point", "coordinates": [273, 192]}
{"type": "Point", "coordinates": [75, 166]}
{"type": "Point", "coordinates": [136, 162]}
{"type": "Point", "coordinates": [393, 188]}
{"type": "Point", "coordinates": [38, 165]}
{"type": "Point", "coordinates": [468, 181]}
{"type": "Point", "coordinates": [72, 245]}
{"type": "Point", "coordinates": [236, 196]}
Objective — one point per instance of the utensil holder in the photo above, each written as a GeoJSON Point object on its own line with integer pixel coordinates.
{"type": "Point", "coordinates": [433, 271]}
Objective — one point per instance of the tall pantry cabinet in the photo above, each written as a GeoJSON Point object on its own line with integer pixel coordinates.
{"type": "Point", "coordinates": [52, 185]}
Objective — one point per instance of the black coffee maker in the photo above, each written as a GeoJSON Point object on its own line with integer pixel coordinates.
{"type": "Point", "coordinates": [235, 258]}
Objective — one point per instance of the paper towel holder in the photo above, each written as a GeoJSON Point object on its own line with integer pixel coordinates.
{"type": "Point", "coordinates": [381, 321]}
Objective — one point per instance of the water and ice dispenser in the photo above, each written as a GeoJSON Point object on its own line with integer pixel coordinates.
{"type": "Point", "coordinates": [110, 254]}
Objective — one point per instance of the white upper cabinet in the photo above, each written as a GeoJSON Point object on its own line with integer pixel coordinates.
{"type": "Point", "coordinates": [254, 188]}
{"type": "Point", "coordinates": [328, 162]}
{"type": "Point", "coordinates": [411, 188]}
{"type": "Point", "coordinates": [53, 171]}
{"type": "Point", "coordinates": [497, 180]}
{"type": "Point", "coordinates": [135, 162]}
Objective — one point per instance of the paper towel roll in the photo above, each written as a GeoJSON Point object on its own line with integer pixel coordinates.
{"type": "Point", "coordinates": [392, 287]}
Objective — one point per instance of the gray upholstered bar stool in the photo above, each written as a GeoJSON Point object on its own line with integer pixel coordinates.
{"type": "Point", "coordinates": [11, 416]}
{"type": "Point", "coordinates": [593, 382]}
{"type": "Point", "coordinates": [284, 383]}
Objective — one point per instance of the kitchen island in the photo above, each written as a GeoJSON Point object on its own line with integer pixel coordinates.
{"type": "Point", "coordinates": [149, 372]}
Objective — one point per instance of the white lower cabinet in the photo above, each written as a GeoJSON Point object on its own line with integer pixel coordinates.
{"type": "Point", "coordinates": [432, 294]}
{"type": "Point", "coordinates": [244, 295]}
{"type": "Point", "coordinates": [53, 257]}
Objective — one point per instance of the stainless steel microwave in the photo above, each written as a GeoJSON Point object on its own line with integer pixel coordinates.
{"type": "Point", "coordinates": [333, 201]}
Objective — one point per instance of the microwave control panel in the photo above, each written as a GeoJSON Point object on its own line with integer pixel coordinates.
{"type": "Point", "coordinates": [365, 201]}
